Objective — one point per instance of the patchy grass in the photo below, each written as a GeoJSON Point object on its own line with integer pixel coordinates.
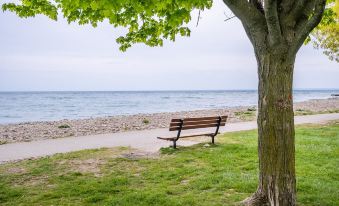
{"type": "Point", "coordinates": [64, 126]}
{"type": "Point", "coordinates": [251, 109]}
{"type": "Point", "coordinates": [145, 121]}
{"type": "Point", "coordinates": [3, 142]}
{"type": "Point", "coordinates": [250, 113]}
{"type": "Point", "coordinates": [246, 115]}
{"type": "Point", "coordinates": [223, 174]}
{"type": "Point", "coordinates": [301, 112]}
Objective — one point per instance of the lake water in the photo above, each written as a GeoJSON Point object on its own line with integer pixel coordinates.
{"type": "Point", "coordinates": [40, 106]}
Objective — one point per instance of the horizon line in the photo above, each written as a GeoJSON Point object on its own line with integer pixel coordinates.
{"type": "Point", "coordinates": [164, 90]}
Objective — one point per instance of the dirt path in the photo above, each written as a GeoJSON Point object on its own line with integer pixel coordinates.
{"type": "Point", "coordinates": [144, 140]}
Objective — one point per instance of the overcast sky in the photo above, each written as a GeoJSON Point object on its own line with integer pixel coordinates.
{"type": "Point", "coordinates": [38, 54]}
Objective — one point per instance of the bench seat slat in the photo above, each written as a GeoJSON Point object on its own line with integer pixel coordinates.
{"type": "Point", "coordinates": [191, 123]}
{"type": "Point", "coordinates": [185, 136]}
{"type": "Point", "coordinates": [193, 127]}
{"type": "Point", "coordinates": [198, 118]}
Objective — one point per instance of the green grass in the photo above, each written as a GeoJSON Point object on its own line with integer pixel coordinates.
{"type": "Point", "coordinates": [145, 121]}
{"type": "Point", "coordinates": [301, 112]}
{"type": "Point", "coordinates": [246, 115]}
{"type": "Point", "coordinates": [250, 113]}
{"type": "Point", "coordinates": [223, 174]}
{"type": "Point", "coordinates": [64, 126]}
{"type": "Point", "coordinates": [3, 142]}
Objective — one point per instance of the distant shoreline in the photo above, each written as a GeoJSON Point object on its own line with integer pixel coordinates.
{"type": "Point", "coordinates": [31, 131]}
{"type": "Point", "coordinates": [165, 90]}
{"type": "Point", "coordinates": [27, 107]}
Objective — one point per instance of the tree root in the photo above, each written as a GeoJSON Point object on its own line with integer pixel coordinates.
{"type": "Point", "coordinates": [255, 200]}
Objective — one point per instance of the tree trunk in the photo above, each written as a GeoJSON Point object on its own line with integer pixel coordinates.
{"type": "Point", "coordinates": [277, 184]}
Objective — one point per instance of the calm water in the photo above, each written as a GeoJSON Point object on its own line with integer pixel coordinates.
{"type": "Point", "coordinates": [37, 106]}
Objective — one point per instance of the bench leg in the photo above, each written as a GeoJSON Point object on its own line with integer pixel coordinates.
{"type": "Point", "coordinates": [174, 144]}
{"type": "Point", "coordinates": [212, 139]}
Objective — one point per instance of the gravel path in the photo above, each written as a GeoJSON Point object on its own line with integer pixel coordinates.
{"type": "Point", "coordinates": [144, 140]}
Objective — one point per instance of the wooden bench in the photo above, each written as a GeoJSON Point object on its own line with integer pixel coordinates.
{"type": "Point", "coordinates": [195, 123]}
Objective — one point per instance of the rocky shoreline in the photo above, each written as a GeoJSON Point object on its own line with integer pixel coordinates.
{"type": "Point", "coordinates": [31, 131]}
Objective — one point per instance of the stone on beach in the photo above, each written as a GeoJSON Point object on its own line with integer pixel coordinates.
{"type": "Point", "coordinates": [30, 131]}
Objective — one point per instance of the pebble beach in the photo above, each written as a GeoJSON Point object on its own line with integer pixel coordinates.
{"type": "Point", "coordinates": [32, 131]}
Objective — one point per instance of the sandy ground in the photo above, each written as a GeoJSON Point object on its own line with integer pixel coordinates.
{"type": "Point", "coordinates": [32, 131]}
{"type": "Point", "coordinates": [143, 140]}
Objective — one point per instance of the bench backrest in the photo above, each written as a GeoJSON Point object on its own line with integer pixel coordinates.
{"type": "Point", "coordinates": [197, 123]}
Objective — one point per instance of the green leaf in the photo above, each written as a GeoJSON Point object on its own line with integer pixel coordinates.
{"type": "Point", "coordinates": [148, 21]}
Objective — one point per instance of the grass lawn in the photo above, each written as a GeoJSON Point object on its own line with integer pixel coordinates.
{"type": "Point", "coordinates": [250, 113]}
{"type": "Point", "coordinates": [223, 174]}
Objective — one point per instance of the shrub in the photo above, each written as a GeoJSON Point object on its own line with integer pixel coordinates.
{"type": "Point", "coordinates": [145, 121]}
{"type": "Point", "coordinates": [64, 126]}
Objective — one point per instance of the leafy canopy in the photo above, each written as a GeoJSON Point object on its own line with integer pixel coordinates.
{"type": "Point", "coordinates": [326, 35]}
{"type": "Point", "coordinates": [152, 21]}
{"type": "Point", "coordinates": [148, 21]}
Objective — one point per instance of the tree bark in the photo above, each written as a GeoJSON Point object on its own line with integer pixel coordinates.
{"type": "Point", "coordinates": [277, 183]}
{"type": "Point", "coordinates": [277, 30]}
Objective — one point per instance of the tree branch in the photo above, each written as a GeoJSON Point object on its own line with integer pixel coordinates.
{"type": "Point", "coordinates": [257, 4]}
{"type": "Point", "coordinates": [253, 21]}
{"type": "Point", "coordinates": [198, 19]}
{"type": "Point", "coordinates": [246, 12]}
{"type": "Point", "coordinates": [272, 20]}
{"type": "Point", "coordinates": [229, 18]}
{"type": "Point", "coordinates": [304, 30]}
{"type": "Point", "coordinates": [301, 7]}
{"type": "Point", "coordinates": [287, 6]}
{"type": "Point", "coordinates": [298, 7]}
{"type": "Point", "coordinates": [247, 30]}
